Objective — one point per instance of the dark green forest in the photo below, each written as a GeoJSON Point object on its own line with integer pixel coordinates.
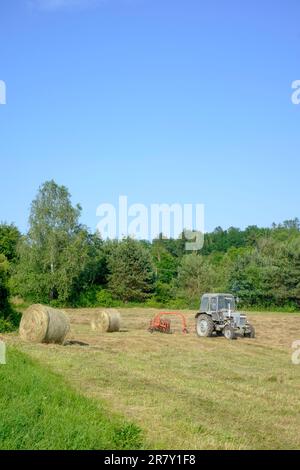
{"type": "Point", "coordinates": [61, 262]}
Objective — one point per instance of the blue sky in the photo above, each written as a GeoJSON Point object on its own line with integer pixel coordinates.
{"type": "Point", "coordinates": [161, 100]}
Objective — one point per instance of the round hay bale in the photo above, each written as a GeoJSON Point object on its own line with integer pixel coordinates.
{"type": "Point", "coordinates": [42, 324]}
{"type": "Point", "coordinates": [106, 321]}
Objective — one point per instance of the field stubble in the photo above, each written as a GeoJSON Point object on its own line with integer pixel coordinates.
{"type": "Point", "coordinates": [186, 392]}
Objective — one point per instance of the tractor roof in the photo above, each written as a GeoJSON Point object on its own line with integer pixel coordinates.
{"type": "Point", "coordinates": [217, 295]}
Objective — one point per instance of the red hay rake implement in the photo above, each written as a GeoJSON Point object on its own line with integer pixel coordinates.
{"type": "Point", "coordinates": [163, 325]}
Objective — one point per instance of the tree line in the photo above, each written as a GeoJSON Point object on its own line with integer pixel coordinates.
{"type": "Point", "coordinates": [59, 261]}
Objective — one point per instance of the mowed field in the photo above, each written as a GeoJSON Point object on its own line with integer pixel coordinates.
{"type": "Point", "coordinates": [185, 392]}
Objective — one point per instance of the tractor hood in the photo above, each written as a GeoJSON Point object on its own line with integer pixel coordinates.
{"type": "Point", "coordinates": [239, 318]}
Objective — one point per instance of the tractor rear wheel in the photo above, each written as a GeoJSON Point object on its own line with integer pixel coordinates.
{"type": "Point", "coordinates": [205, 326]}
{"type": "Point", "coordinates": [229, 332]}
{"type": "Point", "coordinates": [251, 334]}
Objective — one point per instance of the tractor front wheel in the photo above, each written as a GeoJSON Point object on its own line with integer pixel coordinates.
{"type": "Point", "coordinates": [251, 333]}
{"type": "Point", "coordinates": [229, 332]}
{"type": "Point", "coordinates": [205, 326]}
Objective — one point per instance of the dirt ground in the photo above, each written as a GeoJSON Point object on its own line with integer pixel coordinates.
{"type": "Point", "coordinates": [186, 392]}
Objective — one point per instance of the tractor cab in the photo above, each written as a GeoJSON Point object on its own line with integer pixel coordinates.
{"type": "Point", "coordinates": [217, 305]}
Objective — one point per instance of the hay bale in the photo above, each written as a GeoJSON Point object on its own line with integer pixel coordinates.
{"type": "Point", "coordinates": [42, 324]}
{"type": "Point", "coordinates": [106, 321]}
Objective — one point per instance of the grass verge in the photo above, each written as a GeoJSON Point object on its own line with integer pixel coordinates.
{"type": "Point", "coordinates": [39, 411]}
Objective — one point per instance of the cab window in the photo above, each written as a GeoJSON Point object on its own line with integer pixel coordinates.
{"type": "Point", "coordinates": [204, 305]}
{"type": "Point", "coordinates": [213, 304]}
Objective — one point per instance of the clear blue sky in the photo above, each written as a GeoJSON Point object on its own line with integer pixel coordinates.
{"type": "Point", "coordinates": [162, 100]}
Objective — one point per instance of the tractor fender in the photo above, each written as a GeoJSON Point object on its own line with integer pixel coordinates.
{"type": "Point", "coordinates": [202, 313]}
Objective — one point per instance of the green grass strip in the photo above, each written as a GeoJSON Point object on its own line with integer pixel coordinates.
{"type": "Point", "coordinates": [38, 410]}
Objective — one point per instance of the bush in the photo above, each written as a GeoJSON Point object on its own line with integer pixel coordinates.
{"type": "Point", "coordinates": [153, 303]}
{"type": "Point", "coordinates": [87, 298]}
{"type": "Point", "coordinates": [105, 299]}
{"type": "Point", "coordinates": [178, 304]}
{"type": "Point", "coordinates": [6, 326]}
{"type": "Point", "coordinates": [163, 292]}
{"type": "Point", "coordinates": [95, 297]}
{"type": "Point", "coordinates": [10, 322]}
{"type": "Point", "coordinates": [4, 269]}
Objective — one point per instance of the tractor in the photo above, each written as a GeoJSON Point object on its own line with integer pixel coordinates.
{"type": "Point", "coordinates": [218, 316]}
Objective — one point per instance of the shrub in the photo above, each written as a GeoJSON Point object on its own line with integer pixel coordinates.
{"type": "Point", "coordinates": [87, 298]}
{"type": "Point", "coordinates": [95, 296]}
{"type": "Point", "coordinates": [4, 268]}
{"type": "Point", "coordinates": [6, 326]}
{"type": "Point", "coordinates": [105, 299]}
{"type": "Point", "coordinates": [163, 292]}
